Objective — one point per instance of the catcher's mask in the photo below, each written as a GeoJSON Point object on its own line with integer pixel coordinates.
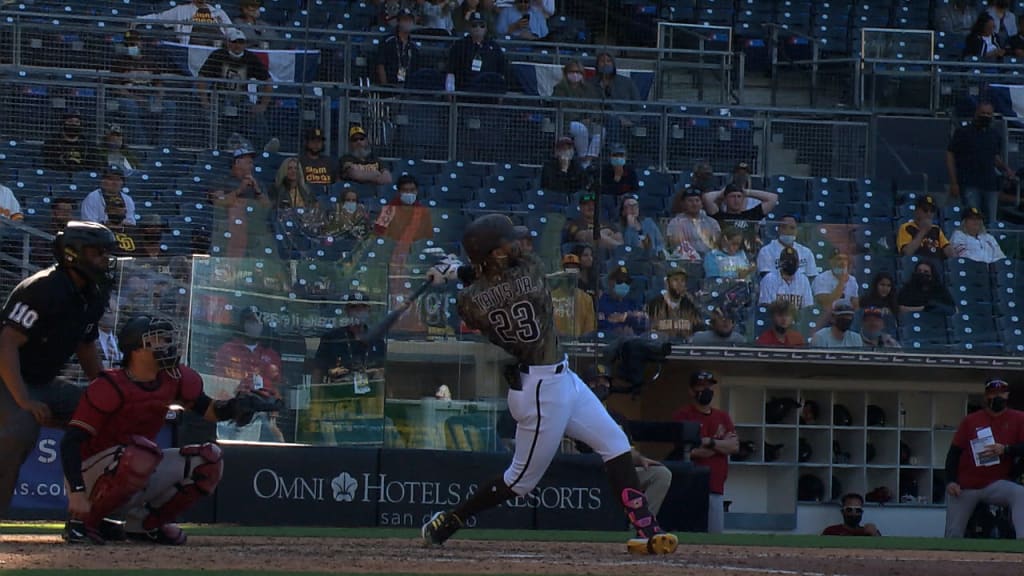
{"type": "Point", "coordinates": [159, 335]}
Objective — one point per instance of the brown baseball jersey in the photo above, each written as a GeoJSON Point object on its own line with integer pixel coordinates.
{"type": "Point", "coordinates": [513, 309]}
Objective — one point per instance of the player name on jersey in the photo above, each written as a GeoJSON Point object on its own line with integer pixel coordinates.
{"type": "Point", "coordinates": [501, 294]}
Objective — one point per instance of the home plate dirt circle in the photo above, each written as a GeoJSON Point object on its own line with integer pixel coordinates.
{"type": "Point", "coordinates": [370, 556]}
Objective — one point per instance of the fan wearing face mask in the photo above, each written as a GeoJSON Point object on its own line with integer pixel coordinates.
{"type": "Point", "coordinates": [787, 282]}
{"type": "Point", "coordinates": [563, 172]}
{"type": "Point", "coordinates": [343, 350]}
{"type": "Point", "coordinates": [398, 57]}
{"type": "Point", "coordinates": [769, 256]}
{"type": "Point", "coordinates": [980, 460]}
{"type": "Point", "coordinates": [718, 440]}
{"type": "Point", "coordinates": [838, 335]}
{"type": "Point", "coordinates": [404, 219]}
{"type": "Point", "coordinates": [925, 292]}
{"type": "Point", "coordinates": [68, 150]}
{"type": "Point", "coordinates": [349, 220]}
{"type": "Point", "coordinates": [476, 53]}
{"type": "Point", "coordinates": [617, 313]}
{"type": "Point", "coordinates": [853, 513]}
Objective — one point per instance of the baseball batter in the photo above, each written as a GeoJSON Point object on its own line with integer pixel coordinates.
{"type": "Point", "coordinates": [507, 299]}
{"type": "Point", "coordinates": [110, 458]}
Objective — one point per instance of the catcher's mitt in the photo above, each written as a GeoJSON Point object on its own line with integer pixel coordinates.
{"type": "Point", "coordinates": [245, 405]}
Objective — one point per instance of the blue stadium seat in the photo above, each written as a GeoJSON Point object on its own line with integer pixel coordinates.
{"type": "Point", "coordinates": [789, 188]}
{"type": "Point", "coordinates": [655, 183]}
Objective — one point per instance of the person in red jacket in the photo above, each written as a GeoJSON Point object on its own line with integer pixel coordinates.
{"type": "Point", "coordinates": [980, 459]}
{"type": "Point", "coordinates": [256, 366]}
{"type": "Point", "coordinates": [853, 513]}
{"type": "Point", "coordinates": [717, 441]}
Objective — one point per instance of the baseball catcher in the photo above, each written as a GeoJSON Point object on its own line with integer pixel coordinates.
{"type": "Point", "coordinates": [507, 299]}
{"type": "Point", "coordinates": [111, 462]}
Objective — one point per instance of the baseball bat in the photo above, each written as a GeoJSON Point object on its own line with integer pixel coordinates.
{"type": "Point", "coordinates": [378, 330]}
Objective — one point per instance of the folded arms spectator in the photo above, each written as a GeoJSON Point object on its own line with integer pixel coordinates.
{"type": "Point", "coordinates": [360, 164]}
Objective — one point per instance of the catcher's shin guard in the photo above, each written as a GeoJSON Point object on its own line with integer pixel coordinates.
{"type": "Point", "coordinates": [203, 470]}
{"type": "Point", "coordinates": [124, 477]}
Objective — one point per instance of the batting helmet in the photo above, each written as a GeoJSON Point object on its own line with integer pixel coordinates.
{"type": "Point", "coordinates": [158, 334]}
{"type": "Point", "coordinates": [487, 233]}
{"type": "Point", "coordinates": [69, 246]}
{"type": "Point", "coordinates": [876, 415]}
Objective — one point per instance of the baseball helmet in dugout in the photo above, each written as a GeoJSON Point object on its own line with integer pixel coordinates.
{"type": "Point", "coordinates": [69, 250]}
{"type": "Point", "coordinates": [155, 333]}
{"type": "Point", "coordinates": [487, 233]}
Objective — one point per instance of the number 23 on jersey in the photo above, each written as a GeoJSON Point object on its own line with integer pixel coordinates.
{"type": "Point", "coordinates": [517, 324]}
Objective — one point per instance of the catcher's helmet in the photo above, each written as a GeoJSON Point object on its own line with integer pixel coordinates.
{"type": "Point", "coordinates": [154, 333]}
{"type": "Point", "coordinates": [69, 244]}
{"type": "Point", "coordinates": [486, 234]}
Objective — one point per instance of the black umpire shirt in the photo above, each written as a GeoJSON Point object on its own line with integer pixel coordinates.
{"type": "Point", "coordinates": [340, 347]}
{"type": "Point", "coordinates": [393, 55]}
{"type": "Point", "coordinates": [464, 51]}
{"type": "Point", "coordinates": [56, 316]}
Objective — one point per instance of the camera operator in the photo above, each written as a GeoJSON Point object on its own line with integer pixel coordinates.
{"type": "Point", "coordinates": [718, 440]}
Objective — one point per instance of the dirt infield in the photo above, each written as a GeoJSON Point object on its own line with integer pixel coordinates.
{"type": "Point", "coordinates": [371, 556]}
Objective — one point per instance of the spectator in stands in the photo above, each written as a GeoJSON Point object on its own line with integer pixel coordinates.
{"type": "Point", "coordinates": [563, 172]}
{"type": "Point", "coordinates": [718, 440]}
{"type": "Point", "coordinates": [617, 177]}
{"type": "Point", "coordinates": [787, 282]}
{"type": "Point", "coordinates": [702, 177]}
{"type": "Point", "coordinates": [62, 210]}
{"type": "Point", "coordinates": [921, 236]}
{"type": "Point", "coordinates": [853, 511]}
{"type": "Point", "coordinates": [588, 272]}
{"type": "Point", "coordinates": [296, 205]}
{"type": "Point", "coordinates": [437, 14]}
{"type": "Point", "coordinates": [728, 260]}
{"type": "Point", "coordinates": [838, 334]}
{"type": "Point", "coordinates": [361, 164]}
{"type": "Point", "coordinates": [1015, 45]}
{"type": "Point", "coordinates": [149, 230]}
{"type": "Point", "coordinates": [318, 169]}
{"type": "Point", "coordinates": [524, 20]}
{"type": "Point", "coordinates": [982, 42]}
{"type": "Point", "coordinates": [582, 229]}
{"type": "Point", "coordinates": [574, 308]}
{"type": "Point", "coordinates": [872, 330]}
{"type": "Point", "coordinates": [463, 16]}
{"type": "Point", "coordinates": [955, 18]}
{"type": "Point", "coordinates": [613, 86]}
{"type": "Point", "coordinates": [973, 154]}
{"type": "Point", "coordinates": [617, 313]}
{"type": "Point", "coordinates": [835, 283]}
{"type": "Point", "coordinates": [145, 108]}
{"type": "Point", "coordinates": [117, 154]}
{"type": "Point", "coordinates": [768, 256]}
{"type": "Point", "coordinates": [94, 207]}
{"type": "Point", "coordinates": [350, 220]}
{"type": "Point", "coordinates": [642, 234]}
{"type": "Point", "coordinates": [925, 292]}
{"type": "Point", "coordinates": [1005, 21]}
{"type": "Point", "coordinates": [476, 54]}
{"type": "Point", "coordinates": [971, 241]}
{"type": "Point", "coordinates": [403, 217]}
{"type": "Point", "coordinates": [10, 208]}
{"type": "Point", "coordinates": [584, 122]}
{"type": "Point", "coordinates": [398, 57]}
{"type": "Point", "coordinates": [343, 352]}
{"type": "Point", "coordinates": [881, 294]}
{"type": "Point", "coordinates": [720, 332]}
{"type": "Point", "coordinates": [256, 30]}
{"type": "Point", "coordinates": [741, 178]}
{"type": "Point", "coordinates": [106, 341]}
{"type": "Point", "coordinates": [692, 234]}
{"type": "Point", "coordinates": [240, 187]}
{"type": "Point", "coordinates": [67, 151]}
{"type": "Point", "coordinates": [238, 66]}
{"type": "Point", "coordinates": [781, 333]}
{"type": "Point", "coordinates": [256, 366]}
{"type": "Point", "coordinates": [730, 204]}
{"type": "Point", "coordinates": [186, 16]}
{"type": "Point", "coordinates": [526, 238]}
{"type": "Point", "coordinates": [674, 312]}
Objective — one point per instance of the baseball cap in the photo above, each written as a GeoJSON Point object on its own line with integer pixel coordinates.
{"type": "Point", "coordinates": [234, 35]}
{"type": "Point", "coordinates": [674, 269]}
{"type": "Point", "coordinates": [927, 202]}
{"type": "Point", "coordinates": [690, 192]}
{"type": "Point", "coordinates": [701, 377]}
{"type": "Point", "coordinates": [587, 197]}
{"type": "Point", "coordinates": [314, 133]}
{"type": "Point", "coordinates": [477, 17]}
{"type": "Point", "coordinates": [243, 151]}
{"type": "Point", "coordinates": [356, 131]}
{"type": "Point", "coordinates": [248, 313]}
{"type": "Point", "coordinates": [563, 140]}
{"type": "Point", "coordinates": [113, 170]}
{"type": "Point", "coordinates": [621, 274]}
{"type": "Point", "coordinates": [405, 13]}
{"type": "Point", "coordinates": [996, 384]}
{"type": "Point", "coordinates": [570, 261]}
{"type": "Point", "coordinates": [741, 166]}
{"type": "Point", "coordinates": [873, 312]}
{"type": "Point", "coordinates": [730, 188]}
{"type": "Point", "coordinates": [114, 128]}
{"type": "Point", "coordinates": [842, 307]}
{"type": "Point", "coordinates": [789, 252]}
{"type": "Point", "coordinates": [973, 212]}
{"type": "Point", "coordinates": [618, 149]}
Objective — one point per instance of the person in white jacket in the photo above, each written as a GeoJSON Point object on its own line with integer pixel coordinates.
{"type": "Point", "coordinates": [971, 241]}
{"type": "Point", "coordinates": [94, 207]}
{"type": "Point", "coordinates": [185, 16]}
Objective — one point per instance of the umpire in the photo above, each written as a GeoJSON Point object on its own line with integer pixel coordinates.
{"type": "Point", "coordinates": [47, 317]}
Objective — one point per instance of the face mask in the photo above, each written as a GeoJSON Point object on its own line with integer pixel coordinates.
{"type": "Point", "coordinates": [838, 271]}
{"type": "Point", "coordinates": [405, 27]}
{"type": "Point", "coordinates": [407, 198]}
{"type": "Point", "coordinates": [349, 207]}
{"type": "Point", "coordinates": [997, 404]}
{"type": "Point", "coordinates": [73, 131]}
{"type": "Point", "coordinates": [574, 77]}
{"type": "Point", "coordinates": [253, 329]}
{"type": "Point", "coordinates": [723, 333]}
{"type": "Point", "coordinates": [565, 154]}
{"type": "Point", "coordinates": [852, 520]}
{"type": "Point", "coordinates": [787, 239]}
{"type": "Point", "coordinates": [133, 51]}
{"type": "Point", "coordinates": [788, 267]}
{"type": "Point", "coordinates": [607, 69]}
{"type": "Point", "coordinates": [779, 328]}
{"type": "Point", "coordinates": [618, 161]}
{"type": "Point", "coordinates": [236, 55]}
{"type": "Point", "coordinates": [622, 290]}
{"type": "Point", "coordinates": [871, 334]}
{"type": "Point", "coordinates": [478, 34]}
{"type": "Point", "coordinates": [922, 278]}
{"type": "Point", "coordinates": [982, 121]}
{"type": "Point", "coordinates": [705, 396]}
{"type": "Point", "coordinates": [843, 323]}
